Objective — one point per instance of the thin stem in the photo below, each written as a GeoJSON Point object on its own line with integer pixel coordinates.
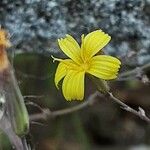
{"type": "Point", "coordinates": [134, 71]}
{"type": "Point", "coordinates": [49, 114]}
{"type": "Point", "coordinates": [140, 112]}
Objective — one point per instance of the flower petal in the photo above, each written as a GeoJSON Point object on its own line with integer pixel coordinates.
{"type": "Point", "coordinates": [71, 48]}
{"type": "Point", "coordinates": [94, 42]}
{"type": "Point", "coordinates": [73, 85]}
{"type": "Point", "coordinates": [60, 73]}
{"type": "Point", "coordinates": [104, 67]}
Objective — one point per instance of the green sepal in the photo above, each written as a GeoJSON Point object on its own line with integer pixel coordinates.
{"type": "Point", "coordinates": [101, 85]}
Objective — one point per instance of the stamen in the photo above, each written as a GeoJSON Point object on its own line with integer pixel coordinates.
{"type": "Point", "coordinates": [55, 59]}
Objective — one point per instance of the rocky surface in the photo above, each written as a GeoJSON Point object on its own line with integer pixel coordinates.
{"type": "Point", "coordinates": [35, 25]}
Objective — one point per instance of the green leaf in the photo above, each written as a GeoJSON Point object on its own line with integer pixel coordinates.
{"type": "Point", "coordinates": [15, 105]}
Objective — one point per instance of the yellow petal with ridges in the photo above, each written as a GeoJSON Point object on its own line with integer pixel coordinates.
{"type": "Point", "coordinates": [79, 85]}
{"type": "Point", "coordinates": [71, 48]}
{"type": "Point", "coordinates": [69, 37]}
{"type": "Point", "coordinates": [70, 64]}
{"type": "Point", "coordinates": [82, 47]}
{"type": "Point", "coordinates": [94, 42]}
{"type": "Point", "coordinates": [102, 75]}
{"type": "Point", "coordinates": [106, 58]}
{"type": "Point", "coordinates": [67, 84]}
{"type": "Point", "coordinates": [73, 85]}
{"type": "Point", "coordinates": [60, 73]}
{"type": "Point", "coordinates": [104, 67]}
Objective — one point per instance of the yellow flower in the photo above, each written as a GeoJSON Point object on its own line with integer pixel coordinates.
{"type": "Point", "coordinates": [4, 42]}
{"type": "Point", "coordinates": [83, 60]}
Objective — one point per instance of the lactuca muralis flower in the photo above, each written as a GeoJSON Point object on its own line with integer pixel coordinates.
{"type": "Point", "coordinates": [83, 60]}
{"type": "Point", "coordinates": [4, 43]}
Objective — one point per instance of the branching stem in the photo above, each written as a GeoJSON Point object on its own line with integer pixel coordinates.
{"type": "Point", "coordinates": [46, 113]}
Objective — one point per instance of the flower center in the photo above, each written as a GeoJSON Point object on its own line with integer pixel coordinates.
{"type": "Point", "coordinates": [84, 66]}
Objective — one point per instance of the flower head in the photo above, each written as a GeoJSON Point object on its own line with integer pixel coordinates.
{"type": "Point", "coordinates": [4, 42]}
{"type": "Point", "coordinates": [83, 60]}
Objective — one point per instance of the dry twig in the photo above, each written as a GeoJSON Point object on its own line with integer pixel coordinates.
{"type": "Point", "coordinates": [51, 114]}
{"type": "Point", "coordinates": [134, 71]}
{"type": "Point", "coordinates": [140, 113]}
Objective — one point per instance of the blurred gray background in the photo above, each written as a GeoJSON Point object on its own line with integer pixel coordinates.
{"type": "Point", "coordinates": [35, 25]}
